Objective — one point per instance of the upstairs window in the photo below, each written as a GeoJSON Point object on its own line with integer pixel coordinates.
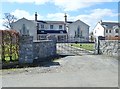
{"type": "Point", "coordinates": [109, 31]}
{"type": "Point", "coordinates": [81, 33]}
{"type": "Point", "coordinates": [75, 34]}
{"type": "Point", "coordinates": [78, 31]}
{"type": "Point", "coordinates": [42, 26]}
{"type": "Point", "coordinates": [60, 26]}
{"type": "Point", "coordinates": [51, 26]}
{"type": "Point", "coordinates": [106, 31]}
{"type": "Point", "coordinates": [116, 30]}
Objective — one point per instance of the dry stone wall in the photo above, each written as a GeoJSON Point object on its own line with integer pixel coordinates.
{"type": "Point", "coordinates": [44, 49]}
{"type": "Point", "coordinates": [110, 47]}
{"type": "Point", "coordinates": [26, 49]}
{"type": "Point", "coordinates": [39, 50]}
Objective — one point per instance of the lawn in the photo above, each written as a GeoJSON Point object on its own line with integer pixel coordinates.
{"type": "Point", "coordinates": [87, 46]}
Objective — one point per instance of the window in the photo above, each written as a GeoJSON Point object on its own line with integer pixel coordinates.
{"type": "Point", "coordinates": [81, 33]}
{"type": "Point", "coordinates": [116, 30]}
{"type": "Point", "coordinates": [75, 34]}
{"type": "Point", "coordinates": [106, 31]}
{"type": "Point", "coordinates": [24, 29]}
{"type": "Point", "coordinates": [109, 31]}
{"type": "Point", "coordinates": [42, 26]}
{"type": "Point", "coordinates": [78, 31]}
{"type": "Point", "coordinates": [27, 32]}
{"type": "Point", "coordinates": [51, 26]}
{"type": "Point", "coordinates": [60, 26]}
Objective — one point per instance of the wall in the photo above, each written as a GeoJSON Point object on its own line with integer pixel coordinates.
{"type": "Point", "coordinates": [26, 49]}
{"type": "Point", "coordinates": [29, 50]}
{"type": "Point", "coordinates": [43, 49]}
{"type": "Point", "coordinates": [110, 47]}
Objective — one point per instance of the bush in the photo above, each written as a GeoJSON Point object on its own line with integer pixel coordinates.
{"type": "Point", "coordinates": [9, 41]}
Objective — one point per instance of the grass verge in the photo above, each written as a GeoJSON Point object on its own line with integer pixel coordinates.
{"type": "Point", "coordinates": [86, 46]}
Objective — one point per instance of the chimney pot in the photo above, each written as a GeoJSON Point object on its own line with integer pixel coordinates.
{"type": "Point", "coordinates": [35, 16]}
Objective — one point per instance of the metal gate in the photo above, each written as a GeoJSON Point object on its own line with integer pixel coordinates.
{"type": "Point", "coordinates": [72, 47]}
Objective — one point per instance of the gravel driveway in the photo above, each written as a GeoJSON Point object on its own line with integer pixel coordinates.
{"type": "Point", "coordinates": [70, 71]}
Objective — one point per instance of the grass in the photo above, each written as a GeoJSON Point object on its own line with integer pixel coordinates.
{"type": "Point", "coordinates": [86, 46]}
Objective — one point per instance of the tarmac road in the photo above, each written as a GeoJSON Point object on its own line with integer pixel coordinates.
{"type": "Point", "coordinates": [73, 71]}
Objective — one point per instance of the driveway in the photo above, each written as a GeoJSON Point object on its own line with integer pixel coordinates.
{"type": "Point", "coordinates": [70, 71]}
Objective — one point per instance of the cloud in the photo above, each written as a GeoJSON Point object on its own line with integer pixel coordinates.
{"type": "Point", "coordinates": [70, 5]}
{"type": "Point", "coordinates": [95, 16]}
{"type": "Point", "coordinates": [55, 17]}
{"type": "Point", "coordinates": [22, 13]}
{"type": "Point", "coordinates": [65, 5]}
{"type": "Point", "coordinates": [27, 1]}
{"type": "Point", "coordinates": [91, 19]}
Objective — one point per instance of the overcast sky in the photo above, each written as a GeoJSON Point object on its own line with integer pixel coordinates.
{"type": "Point", "coordinates": [89, 11]}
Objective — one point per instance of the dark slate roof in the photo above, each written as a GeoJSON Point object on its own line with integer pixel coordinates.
{"type": "Point", "coordinates": [69, 21]}
{"type": "Point", "coordinates": [41, 21]}
{"type": "Point", "coordinates": [54, 22]}
{"type": "Point", "coordinates": [51, 31]}
{"type": "Point", "coordinates": [109, 24]}
{"type": "Point", "coordinates": [51, 22]}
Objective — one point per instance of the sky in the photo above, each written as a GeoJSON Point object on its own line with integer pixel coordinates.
{"type": "Point", "coordinates": [88, 11]}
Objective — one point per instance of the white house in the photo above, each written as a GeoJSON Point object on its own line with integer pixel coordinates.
{"type": "Point", "coordinates": [62, 31]}
{"type": "Point", "coordinates": [106, 29]}
{"type": "Point", "coordinates": [78, 31]}
{"type": "Point", "coordinates": [25, 26]}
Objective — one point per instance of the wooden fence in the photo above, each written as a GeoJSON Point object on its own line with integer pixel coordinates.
{"type": "Point", "coordinates": [9, 45]}
{"type": "Point", "coordinates": [112, 38]}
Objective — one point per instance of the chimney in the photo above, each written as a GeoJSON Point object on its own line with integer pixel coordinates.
{"type": "Point", "coordinates": [65, 18]}
{"type": "Point", "coordinates": [100, 22]}
{"type": "Point", "coordinates": [35, 16]}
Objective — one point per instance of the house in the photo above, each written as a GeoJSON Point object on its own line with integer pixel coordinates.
{"type": "Point", "coordinates": [106, 29]}
{"type": "Point", "coordinates": [61, 31]}
{"type": "Point", "coordinates": [78, 31]}
{"type": "Point", "coordinates": [25, 26]}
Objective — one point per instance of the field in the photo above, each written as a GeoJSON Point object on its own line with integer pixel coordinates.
{"type": "Point", "coordinates": [87, 46]}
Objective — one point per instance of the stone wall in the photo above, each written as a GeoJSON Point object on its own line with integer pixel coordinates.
{"type": "Point", "coordinates": [109, 47]}
{"type": "Point", "coordinates": [26, 49]}
{"type": "Point", "coordinates": [40, 50]}
{"type": "Point", "coordinates": [44, 49]}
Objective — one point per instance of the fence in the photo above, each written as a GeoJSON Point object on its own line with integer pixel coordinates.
{"type": "Point", "coordinates": [112, 38]}
{"type": "Point", "coordinates": [9, 45]}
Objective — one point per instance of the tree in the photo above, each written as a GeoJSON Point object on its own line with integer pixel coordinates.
{"type": "Point", "coordinates": [8, 20]}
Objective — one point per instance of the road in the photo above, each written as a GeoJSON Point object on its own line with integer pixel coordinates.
{"type": "Point", "coordinates": [72, 71]}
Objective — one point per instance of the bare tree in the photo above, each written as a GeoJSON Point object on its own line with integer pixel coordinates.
{"type": "Point", "coordinates": [8, 20]}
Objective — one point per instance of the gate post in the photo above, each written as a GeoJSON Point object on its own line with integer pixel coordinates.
{"type": "Point", "coordinates": [97, 44]}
